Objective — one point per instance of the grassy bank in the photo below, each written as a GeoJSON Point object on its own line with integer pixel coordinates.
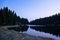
{"type": "Point", "coordinates": [6, 34]}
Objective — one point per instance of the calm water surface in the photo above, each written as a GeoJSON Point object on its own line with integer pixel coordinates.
{"type": "Point", "coordinates": [41, 34]}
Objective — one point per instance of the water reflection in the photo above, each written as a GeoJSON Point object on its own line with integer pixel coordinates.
{"type": "Point", "coordinates": [48, 29]}
{"type": "Point", "coordinates": [42, 34]}
{"type": "Point", "coordinates": [30, 31]}
{"type": "Point", "coordinates": [20, 28]}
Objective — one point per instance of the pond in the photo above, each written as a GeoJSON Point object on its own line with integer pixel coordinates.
{"type": "Point", "coordinates": [33, 32]}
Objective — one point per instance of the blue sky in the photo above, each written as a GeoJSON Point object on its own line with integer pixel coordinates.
{"type": "Point", "coordinates": [32, 9]}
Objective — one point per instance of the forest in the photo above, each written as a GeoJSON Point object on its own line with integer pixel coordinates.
{"type": "Point", "coordinates": [9, 17]}
{"type": "Point", "coordinates": [51, 20]}
{"type": "Point", "coordinates": [50, 24]}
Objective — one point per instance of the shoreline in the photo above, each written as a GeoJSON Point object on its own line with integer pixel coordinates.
{"type": "Point", "coordinates": [6, 34]}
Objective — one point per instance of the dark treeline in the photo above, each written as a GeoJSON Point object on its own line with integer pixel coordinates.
{"type": "Point", "coordinates": [50, 24]}
{"type": "Point", "coordinates": [9, 17]}
{"type": "Point", "coordinates": [51, 20]}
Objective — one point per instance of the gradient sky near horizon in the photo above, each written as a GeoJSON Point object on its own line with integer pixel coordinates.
{"type": "Point", "coordinates": [32, 9]}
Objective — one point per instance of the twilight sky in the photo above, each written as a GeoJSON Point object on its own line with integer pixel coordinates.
{"type": "Point", "coordinates": [32, 9]}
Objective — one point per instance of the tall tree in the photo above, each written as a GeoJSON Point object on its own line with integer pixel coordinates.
{"type": "Point", "coordinates": [9, 17]}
